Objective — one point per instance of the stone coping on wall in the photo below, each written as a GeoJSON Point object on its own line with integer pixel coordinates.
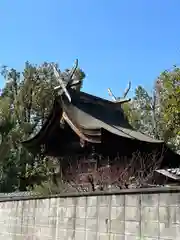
{"type": "Point", "coordinates": [4, 197]}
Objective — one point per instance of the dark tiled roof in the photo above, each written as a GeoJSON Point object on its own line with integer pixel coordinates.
{"type": "Point", "coordinates": [173, 173]}
{"type": "Point", "coordinates": [90, 114]}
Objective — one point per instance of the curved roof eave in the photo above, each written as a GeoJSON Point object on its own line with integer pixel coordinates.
{"type": "Point", "coordinates": [56, 109]}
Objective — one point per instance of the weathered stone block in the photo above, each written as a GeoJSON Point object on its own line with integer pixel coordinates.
{"type": "Point", "coordinates": [149, 229]}
{"type": "Point", "coordinates": [104, 226]}
{"type": "Point", "coordinates": [177, 231]}
{"type": "Point", "coordinates": [175, 199]}
{"type": "Point", "coordinates": [82, 201]}
{"type": "Point", "coordinates": [117, 226]}
{"type": "Point", "coordinates": [62, 202]}
{"type": "Point", "coordinates": [132, 200]}
{"type": "Point", "coordinates": [63, 223]}
{"type": "Point", "coordinates": [69, 234]}
{"type": "Point", "coordinates": [43, 203]}
{"type": "Point", "coordinates": [170, 199]}
{"type": "Point", "coordinates": [150, 214]}
{"type": "Point", "coordinates": [132, 228]}
{"type": "Point", "coordinates": [167, 231]}
{"type": "Point", "coordinates": [79, 235]}
{"type": "Point", "coordinates": [167, 214]}
{"type": "Point", "coordinates": [52, 202]}
{"type": "Point", "coordinates": [104, 200]}
{"type": "Point", "coordinates": [92, 201]}
{"type": "Point", "coordinates": [117, 200]}
{"type": "Point", "coordinates": [61, 212]}
{"type": "Point", "coordinates": [47, 205]}
{"type": "Point", "coordinates": [177, 214]}
{"type": "Point", "coordinates": [80, 223]}
{"type": "Point", "coordinates": [164, 199]}
{"type": "Point", "coordinates": [91, 212]}
{"type": "Point", "coordinates": [70, 212]}
{"type": "Point", "coordinates": [61, 234]}
{"type": "Point", "coordinates": [70, 223]}
{"type": "Point", "coordinates": [149, 199]}
{"type": "Point", "coordinates": [118, 213]}
{"type": "Point", "coordinates": [132, 213]}
{"type": "Point", "coordinates": [104, 213]}
{"type": "Point", "coordinates": [71, 202]}
{"type": "Point", "coordinates": [81, 212]}
{"type": "Point", "coordinates": [91, 224]}
{"type": "Point", "coordinates": [91, 235]}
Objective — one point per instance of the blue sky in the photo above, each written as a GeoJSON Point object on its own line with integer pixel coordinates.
{"type": "Point", "coordinates": [115, 41]}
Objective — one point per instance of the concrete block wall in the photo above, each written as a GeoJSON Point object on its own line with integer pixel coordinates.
{"type": "Point", "coordinates": [120, 216]}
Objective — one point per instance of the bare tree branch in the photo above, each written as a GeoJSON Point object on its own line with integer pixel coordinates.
{"type": "Point", "coordinates": [136, 172]}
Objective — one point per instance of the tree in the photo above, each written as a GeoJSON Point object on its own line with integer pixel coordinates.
{"type": "Point", "coordinates": [168, 86]}
{"type": "Point", "coordinates": [146, 113]}
{"type": "Point", "coordinates": [135, 172]}
{"type": "Point", "coordinates": [157, 113]}
{"type": "Point", "coordinates": [25, 103]}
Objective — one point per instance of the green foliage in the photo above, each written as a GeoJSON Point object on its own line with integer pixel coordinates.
{"type": "Point", "coordinates": [170, 99]}
{"type": "Point", "coordinates": [25, 102]}
{"type": "Point", "coordinates": [158, 114]}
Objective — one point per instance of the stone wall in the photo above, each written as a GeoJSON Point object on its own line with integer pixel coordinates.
{"type": "Point", "coordinates": [127, 215]}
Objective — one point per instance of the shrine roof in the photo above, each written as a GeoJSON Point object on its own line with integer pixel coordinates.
{"type": "Point", "coordinates": [88, 115]}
